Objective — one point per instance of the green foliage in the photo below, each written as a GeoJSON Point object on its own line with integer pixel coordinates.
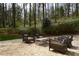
{"type": "Point", "coordinates": [32, 30]}
{"type": "Point", "coordinates": [46, 25]}
{"type": "Point", "coordinates": [61, 11]}
{"type": "Point", "coordinates": [18, 13]}
{"type": "Point", "coordinates": [3, 30]}
{"type": "Point", "coordinates": [66, 28]}
{"type": "Point", "coordinates": [12, 31]}
{"type": "Point", "coordinates": [9, 31]}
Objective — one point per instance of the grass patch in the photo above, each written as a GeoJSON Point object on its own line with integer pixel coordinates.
{"type": "Point", "coordinates": [4, 37]}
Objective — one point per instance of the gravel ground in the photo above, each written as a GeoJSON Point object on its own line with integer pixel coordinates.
{"type": "Point", "coordinates": [18, 48]}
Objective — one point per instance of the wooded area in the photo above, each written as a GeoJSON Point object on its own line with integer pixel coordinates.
{"type": "Point", "coordinates": [41, 18]}
{"type": "Point", "coordinates": [10, 14]}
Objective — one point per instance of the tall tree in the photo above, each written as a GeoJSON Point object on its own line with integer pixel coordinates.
{"type": "Point", "coordinates": [76, 9]}
{"type": "Point", "coordinates": [39, 11]}
{"type": "Point", "coordinates": [72, 9]}
{"type": "Point", "coordinates": [61, 11]}
{"type": "Point", "coordinates": [9, 15]}
{"type": "Point", "coordinates": [3, 14]}
{"type": "Point", "coordinates": [30, 14]}
{"type": "Point", "coordinates": [68, 9]}
{"type": "Point", "coordinates": [0, 14]}
{"type": "Point", "coordinates": [65, 9]}
{"type": "Point", "coordinates": [45, 5]}
{"type": "Point", "coordinates": [34, 9]}
{"type": "Point", "coordinates": [6, 21]}
{"type": "Point", "coordinates": [14, 15]}
{"type": "Point", "coordinates": [48, 10]}
{"type": "Point", "coordinates": [25, 12]}
{"type": "Point", "coordinates": [52, 11]}
{"type": "Point", "coordinates": [43, 10]}
{"type": "Point", "coordinates": [55, 13]}
{"type": "Point", "coordinates": [57, 10]}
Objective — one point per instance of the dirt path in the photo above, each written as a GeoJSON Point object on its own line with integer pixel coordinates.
{"type": "Point", "coordinates": [18, 48]}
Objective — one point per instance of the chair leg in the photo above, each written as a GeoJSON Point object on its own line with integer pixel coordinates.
{"type": "Point", "coordinates": [34, 39]}
{"type": "Point", "coordinates": [49, 47]}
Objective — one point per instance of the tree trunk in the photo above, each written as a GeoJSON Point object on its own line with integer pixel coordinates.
{"type": "Point", "coordinates": [76, 9]}
{"type": "Point", "coordinates": [34, 9]}
{"type": "Point", "coordinates": [43, 12]}
{"type": "Point", "coordinates": [39, 18]}
{"type": "Point", "coordinates": [3, 15]}
{"type": "Point", "coordinates": [25, 12]}
{"type": "Point", "coordinates": [55, 14]}
{"type": "Point", "coordinates": [30, 15]}
{"type": "Point", "coordinates": [68, 8]}
{"type": "Point", "coordinates": [14, 15]}
{"type": "Point", "coordinates": [6, 15]}
{"type": "Point", "coordinates": [72, 9]}
{"type": "Point", "coordinates": [48, 11]}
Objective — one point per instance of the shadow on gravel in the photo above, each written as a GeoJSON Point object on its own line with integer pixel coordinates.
{"type": "Point", "coordinates": [68, 53]}
{"type": "Point", "coordinates": [43, 43]}
{"type": "Point", "coordinates": [75, 47]}
{"type": "Point", "coordinates": [71, 53]}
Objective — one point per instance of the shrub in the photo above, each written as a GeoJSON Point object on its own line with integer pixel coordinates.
{"type": "Point", "coordinates": [32, 30]}
{"type": "Point", "coordinates": [46, 26]}
{"type": "Point", "coordinates": [3, 30]}
{"type": "Point", "coordinates": [66, 28]}
{"type": "Point", "coordinates": [9, 30]}
{"type": "Point", "coordinates": [12, 31]}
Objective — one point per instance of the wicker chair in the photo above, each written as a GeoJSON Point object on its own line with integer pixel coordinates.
{"type": "Point", "coordinates": [57, 46]}
{"type": "Point", "coordinates": [28, 38]}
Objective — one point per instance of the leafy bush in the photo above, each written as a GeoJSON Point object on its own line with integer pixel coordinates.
{"type": "Point", "coordinates": [46, 23]}
{"type": "Point", "coordinates": [32, 30]}
{"type": "Point", "coordinates": [75, 26]}
{"type": "Point", "coordinates": [3, 30]}
{"type": "Point", "coordinates": [66, 28]}
{"type": "Point", "coordinates": [9, 30]}
{"type": "Point", "coordinates": [12, 31]}
{"type": "Point", "coordinates": [46, 26]}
